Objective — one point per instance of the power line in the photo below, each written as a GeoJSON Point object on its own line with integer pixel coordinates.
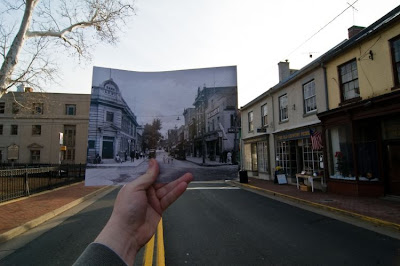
{"type": "Point", "coordinates": [350, 6]}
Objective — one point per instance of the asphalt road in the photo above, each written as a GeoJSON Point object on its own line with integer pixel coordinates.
{"type": "Point", "coordinates": [215, 224]}
{"type": "Point", "coordinates": [212, 225]}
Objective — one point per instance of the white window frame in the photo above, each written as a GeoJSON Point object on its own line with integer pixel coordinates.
{"type": "Point", "coordinates": [264, 115]}
{"type": "Point", "coordinates": [349, 86]}
{"type": "Point", "coordinates": [310, 99]}
{"type": "Point", "coordinates": [250, 117]}
{"type": "Point", "coordinates": [283, 108]}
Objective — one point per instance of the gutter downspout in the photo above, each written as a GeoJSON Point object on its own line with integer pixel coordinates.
{"type": "Point", "coordinates": [326, 87]}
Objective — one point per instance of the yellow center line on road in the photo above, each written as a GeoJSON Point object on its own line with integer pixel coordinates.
{"type": "Point", "coordinates": [149, 248]}
{"type": "Point", "coordinates": [148, 253]}
{"type": "Point", "coordinates": [160, 245]}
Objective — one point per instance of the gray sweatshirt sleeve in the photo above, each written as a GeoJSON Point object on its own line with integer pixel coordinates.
{"type": "Point", "coordinates": [99, 254]}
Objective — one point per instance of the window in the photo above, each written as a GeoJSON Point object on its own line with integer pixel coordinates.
{"type": "Point", "coordinates": [36, 129]}
{"type": "Point", "coordinates": [70, 109]}
{"type": "Point", "coordinates": [264, 115]}
{"type": "Point", "coordinates": [14, 129]}
{"type": "Point", "coordinates": [283, 108]}
{"type": "Point", "coordinates": [37, 109]}
{"type": "Point", "coordinates": [395, 47]}
{"type": "Point", "coordinates": [91, 144]}
{"type": "Point", "coordinates": [35, 156]}
{"type": "Point", "coordinates": [2, 107]}
{"type": "Point", "coordinates": [15, 108]}
{"type": "Point", "coordinates": [340, 153]}
{"type": "Point", "coordinates": [69, 141]}
{"type": "Point", "coordinates": [110, 117]}
{"type": "Point", "coordinates": [262, 156]}
{"type": "Point", "coordinates": [310, 102]}
{"type": "Point", "coordinates": [349, 80]}
{"type": "Point", "coordinates": [250, 117]}
{"type": "Point", "coordinates": [1, 129]}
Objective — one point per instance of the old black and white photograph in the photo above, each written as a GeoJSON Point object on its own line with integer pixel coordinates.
{"type": "Point", "coordinates": [186, 119]}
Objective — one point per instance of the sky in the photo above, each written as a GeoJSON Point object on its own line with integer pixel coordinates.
{"type": "Point", "coordinates": [254, 35]}
{"type": "Point", "coordinates": [164, 95]}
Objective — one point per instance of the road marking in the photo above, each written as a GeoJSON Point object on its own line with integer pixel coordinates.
{"type": "Point", "coordinates": [203, 188]}
{"type": "Point", "coordinates": [149, 248]}
{"type": "Point", "coordinates": [148, 253]}
{"type": "Point", "coordinates": [160, 245]}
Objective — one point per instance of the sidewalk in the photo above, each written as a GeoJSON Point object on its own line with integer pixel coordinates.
{"type": "Point", "coordinates": [112, 163]}
{"type": "Point", "coordinates": [20, 215]}
{"type": "Point", "coordinates": [207, 162]}
{"type": "Point", "coordinates": [378, 211]}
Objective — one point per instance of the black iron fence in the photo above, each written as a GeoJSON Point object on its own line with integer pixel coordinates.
{"type": "Point", "coordinates": [23, 180]}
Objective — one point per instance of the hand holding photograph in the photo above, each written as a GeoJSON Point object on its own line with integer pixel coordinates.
{"type": "Point", "coordinates": [186, 119]}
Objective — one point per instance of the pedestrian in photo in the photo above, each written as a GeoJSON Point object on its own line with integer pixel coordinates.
{"type": "Point", "coordinates": [132, 155]}
{"type": "Point", "coordinates": [118, 159]}
{"type": "Point", "coordinates": [126, 155]}
{"type": "Point", "coordinates": [229, 157]}
{"type": "Point", "coordinates": [134, 220]}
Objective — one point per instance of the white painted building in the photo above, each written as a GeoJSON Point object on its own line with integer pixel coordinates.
{"type": "Point", "coordinates": [112, 124]}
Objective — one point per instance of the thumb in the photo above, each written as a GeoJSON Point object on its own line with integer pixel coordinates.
{"type": "Point", "coordinates": [144, 181]}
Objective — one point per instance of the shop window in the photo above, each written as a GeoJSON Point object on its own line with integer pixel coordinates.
{"type": "Point", "coordinates": [283, 155]}
{"type": "Point", "coordinates": [37, 109]}
{"type": "Point", "coordinates": [254, 162]}
{"type": "Point", "coordinates": [14, 130]}
{"type": "Point", "coordinates": [340, 153]}
{"type": "Point", "coordinates": [395, 47]}
{"type": "Point", "coordinates": [110, 117]}
{"type": "Point", "coordinates": [312, 159]}
{"type": "Point", "coordinates": [264, 115]}
{"type": "Point", "coordinates": [2, 107]}
{"type": "Point", "coordinates": [36, 130]}
{"type": "Point", "coordinates": [262, 156]}
{"type": "Point", "coordinates": [283, 108]}
{"type": "Point", "coordinates": [247, 157]}
{"type": "Point", "coordinates": [310, 101]}
{"type": "Point", "coordinates": [35, 156]}
{"type": "Point", "coordinates": [349, 81]}
{"type": "Point", "coordinates": [367, 152]}
{"type": "Point", "coordinates": [70, 109]}
{"type": "Point", "coordinates": [250, 118]}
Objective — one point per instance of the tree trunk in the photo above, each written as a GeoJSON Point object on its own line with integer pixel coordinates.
{"type": "Point", "coordinates": [11, 59]}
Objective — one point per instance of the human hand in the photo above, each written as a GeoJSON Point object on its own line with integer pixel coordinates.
{"type": "Point", "coordinates": [138, 210]}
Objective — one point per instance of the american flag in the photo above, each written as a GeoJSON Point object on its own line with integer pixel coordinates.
{"type": "Point", "coordinates": [316, 140]}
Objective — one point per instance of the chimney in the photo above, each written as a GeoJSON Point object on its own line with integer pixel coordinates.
{"type": "Point", "coordinates": [354, 30]}
{"type": "Point", "coordinates": [284, 71]}
{"type": "Point", "coordinates": [28, 89]}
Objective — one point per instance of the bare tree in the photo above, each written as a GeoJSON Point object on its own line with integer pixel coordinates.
{"type": "Point", "coordinates": [42, 27]}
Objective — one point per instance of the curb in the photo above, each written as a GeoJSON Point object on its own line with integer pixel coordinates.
{"type": "Point", "coordinates": [45, 217]}
{"type": "Point", "coordinates": [206, 164]}
{"type": "Point", "coordinates": [374, 221]}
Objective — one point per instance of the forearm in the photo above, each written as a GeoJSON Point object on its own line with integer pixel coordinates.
{"type": "Point", "coordinates": [119, 240]}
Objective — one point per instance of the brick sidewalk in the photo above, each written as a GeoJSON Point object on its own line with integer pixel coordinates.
{"type": "Point", "coordinates": [18, 212]}
{"type": "Point", "coordinates": [376, 208]}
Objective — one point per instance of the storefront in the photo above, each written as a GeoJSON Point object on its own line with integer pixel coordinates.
{"type": "Point", "coordinates": [296, 153]}
{"type": "Point", "coordinates": [363, 147]}
{"type": "Point", "coordinates": [256, 156]}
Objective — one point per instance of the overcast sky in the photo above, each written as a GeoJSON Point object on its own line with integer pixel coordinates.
{"type": "Point", "coordinates": [253, 34]}
{"type": "Point", "coordinates": [164, 95]}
